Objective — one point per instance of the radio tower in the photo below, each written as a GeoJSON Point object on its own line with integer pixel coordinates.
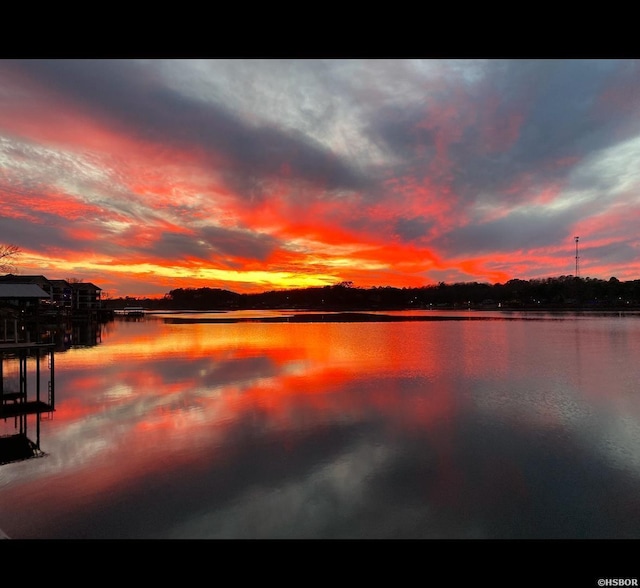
{"type": "Point", "coordinates": [577, 257]}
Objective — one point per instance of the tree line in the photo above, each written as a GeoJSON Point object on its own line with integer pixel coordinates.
{"type": "Point", "coordinates": [561, 292]}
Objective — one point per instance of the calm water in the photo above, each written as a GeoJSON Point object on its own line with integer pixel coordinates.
{"type": "Point", "coordinates": [448, 429]}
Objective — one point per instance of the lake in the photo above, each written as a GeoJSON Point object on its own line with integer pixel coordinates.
{"type": "Point", "coordinates": [515, 426]}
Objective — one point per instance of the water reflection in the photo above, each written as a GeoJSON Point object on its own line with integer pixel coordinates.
{"type": "Point", "coordinates": [494, 429]}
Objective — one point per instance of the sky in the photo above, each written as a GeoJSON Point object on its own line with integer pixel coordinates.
{"type": "Point", "coordinates": [146, 175]}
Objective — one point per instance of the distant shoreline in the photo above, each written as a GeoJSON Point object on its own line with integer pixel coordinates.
{"type": "Point", "coordinates": [363, 317]}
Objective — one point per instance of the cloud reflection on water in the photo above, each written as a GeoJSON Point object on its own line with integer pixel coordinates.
{"type": "Point", "coordinates": [401, 430]}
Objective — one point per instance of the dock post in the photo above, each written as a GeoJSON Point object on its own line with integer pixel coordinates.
{"type": "Point", "coordinates": [38, 374]}
{"type": "Point", "coordinates": [23, 374]}
{"type": "Point", "coordinates": [52, 400]}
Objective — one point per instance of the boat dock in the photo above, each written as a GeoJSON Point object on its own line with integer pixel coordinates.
{"type": "Point", "coordinates": [15, 401]}
{"type": "Point", "coordinates": [22, 394]}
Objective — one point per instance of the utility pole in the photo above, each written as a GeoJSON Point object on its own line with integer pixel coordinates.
{"type": "Point", "coordinates": [577, 257]}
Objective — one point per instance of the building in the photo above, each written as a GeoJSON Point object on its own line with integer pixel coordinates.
{"type": "Point", "coordinates": [18, 300]}
{"type": "Point", "coordinates": [61, 294]}
{"type": "Point", "coordinates": [82, 299]}
{"type": "Point", "coordinates": [85, 298]}
{"type": "Point", "coordinates": [40, 281]}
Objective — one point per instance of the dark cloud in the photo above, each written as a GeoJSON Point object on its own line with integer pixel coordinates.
{"type": "Point", "coordinates": [555, 100]}
{"type": "Point", "coordinates": [619, 253]}
{"type": "Point", "coordinates": [239, 244]}
{"type": "Point", "coordinates": [412, 229]}
{"type": "Point", "coordinates": [42, 236]}
{"type": "Point", "coordinates": [212, 244]}
{"type": "Point", "coordinates": [520, 230]}
{"type": "Point", "coordinates": [523, 118]}
{"type": "Point", "coordinates": [397, 130]}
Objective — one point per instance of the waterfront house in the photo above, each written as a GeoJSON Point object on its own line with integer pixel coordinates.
{"type": "Point", "coordinates": [38, 280]}
{"type": "Point", "coordinates": [78, 296]}
{"type": "Point", "coordinates": [61, 293]}
{"type": "Point", "coordinates": [85, 298]}
{"type": "Point", "coordinates": [17, 303]}
{"type": "Point", "coordinates": [18, 300]}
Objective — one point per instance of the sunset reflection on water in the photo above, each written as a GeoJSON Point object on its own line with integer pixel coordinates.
{"type": "Point", "coordinates": [404, 429]}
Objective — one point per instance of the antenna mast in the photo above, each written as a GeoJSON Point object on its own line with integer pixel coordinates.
{"type": "Point", "coordinates": [577, 256]}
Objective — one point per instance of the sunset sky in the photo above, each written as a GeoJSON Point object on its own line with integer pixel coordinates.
{"type": "Point", "coordinates": [142, 176]}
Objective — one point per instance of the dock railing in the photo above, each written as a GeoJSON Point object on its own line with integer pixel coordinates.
{"type": "Point", "coordinates": [12, 332]}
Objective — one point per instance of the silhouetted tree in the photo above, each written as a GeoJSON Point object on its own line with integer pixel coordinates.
{"type": "Point", "coordinates": [8, 254]}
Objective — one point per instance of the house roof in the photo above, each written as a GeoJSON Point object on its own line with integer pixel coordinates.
{"type": "Point", "coordinates": [15, 290]}
{"type": "Point", "coordinates": [23, 279]}
{"type": "Point", "coordinates": [12, 279]}
{"type": "Point", "coordinates": [84, 286]}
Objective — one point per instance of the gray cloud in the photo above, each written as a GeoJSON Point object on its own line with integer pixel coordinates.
{"type": "Point", "coordinates": [411, 229]}
{"type": "Point", "coordinates": [224, 246]}
{"type": "Point", "coordinates": [237, 243]}
{"type": "Point", "coordinates": [133, 96]}
{"type": "Point", "coordinates": [517, 231]}
{"type": "Point", "coordinates": [42, 236]}
{"type": "Point", "coordinates": [552, 105]}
